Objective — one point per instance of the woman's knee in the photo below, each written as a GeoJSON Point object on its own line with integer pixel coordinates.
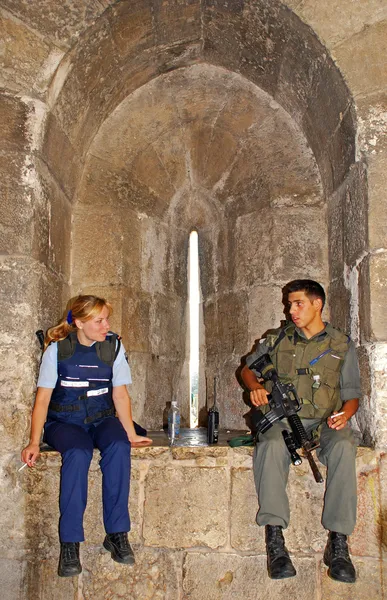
{"type": "Point", "coordinates": [78, 456]}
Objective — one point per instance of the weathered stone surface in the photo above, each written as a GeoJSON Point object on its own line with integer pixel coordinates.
{"type": "Point", "coordinates": [13, 579]}
{"type": "Point", "coordinates": [361, 58]}
{"type": "Point", "coordinates": [336, 20]}
{"type": "Point", "coordinates": [246, 536]}
{"type": "Point", "coordinates": [155, 576]}
{"type": "Point", "coordinates": [378, 284]}
{"type": "Point", "coordinates": [221, 335]}
{"type": "Point", "coordinates": [365, 541]}
{"type": "Point", "coordinates": [57, 209]}
{"type": "Point", "coordinates": [175, 512]}
{"type": "Point", "coordinates": [265, 311]}
{"type": "Point", "coordinates": [229, 576]}
{"type": "Point", "coordinates": [102, 261]}
{"type": "Point", "coordinates": [62, 22]}
{"type": "Point", "coordinates": [368, 584]}
{"type": "Point", "coordinates": [93, 520]}
{"type": "Point", "coordinates": [13, 116]}
{"type": "Point", "coordinates": [61, 156]}
{"type": "Point", "coordinates": [27, 61]}
{"type": "Point", "coordinates": [383, 501]}
{"type": "Point", "coordinates": [339, 305]}
{"type": "Point", "coordinates": [42, 580]}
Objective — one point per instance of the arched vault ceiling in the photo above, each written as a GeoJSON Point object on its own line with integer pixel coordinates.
{"type": "Point", "coordinates": [202, 128]}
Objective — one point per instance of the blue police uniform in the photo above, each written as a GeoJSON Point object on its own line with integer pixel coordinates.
{"type": "Point", "coordinates": [81, 418]}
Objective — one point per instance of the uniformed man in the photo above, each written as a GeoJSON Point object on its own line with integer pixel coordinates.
{"type": "Point", "coordinates": [321, 362]}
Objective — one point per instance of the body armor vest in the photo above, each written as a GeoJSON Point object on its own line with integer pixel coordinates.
{"type": "Point", "coordinates": [313, 366]}
{"type": "Point", "coordinates": [83, 391]}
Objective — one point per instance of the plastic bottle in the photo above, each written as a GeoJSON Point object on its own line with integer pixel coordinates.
{"type": "Point", "coordinates": [173, 422]}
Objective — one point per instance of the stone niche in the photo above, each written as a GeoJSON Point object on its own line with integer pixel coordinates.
{"type": "Point", "coordinates": [199, 148]}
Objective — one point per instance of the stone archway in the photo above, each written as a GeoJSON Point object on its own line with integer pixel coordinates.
{"type": "Point", "coordinates": [132, 45]}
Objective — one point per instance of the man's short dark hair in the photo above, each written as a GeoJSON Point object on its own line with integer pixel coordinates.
{"type": "Point", "coordinates": [310, 287]}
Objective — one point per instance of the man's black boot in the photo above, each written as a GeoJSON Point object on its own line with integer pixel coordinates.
{"type": "Point", "coordinates": [279, 565]}
{"type": "Point", "coordinates": [69, 563]}
{"type": "Point", "coordinates": [337, 559]}
{"type": "Point", "coordinates": [118, 545]}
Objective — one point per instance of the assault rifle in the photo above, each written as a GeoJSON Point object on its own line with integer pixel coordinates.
{"type": "Point", "coordinates": [284, 402]}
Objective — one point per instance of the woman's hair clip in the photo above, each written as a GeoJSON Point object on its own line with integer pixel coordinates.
{"type": "Point", "coordinates": [70, 317]}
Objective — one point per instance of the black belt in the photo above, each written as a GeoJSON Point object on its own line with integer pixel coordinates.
{"type": "Point", "coordinates": [76, 407]}
{"type": "Point", "coordinates": [63, 407]}
{"type": "Point", "coordinates": [99, 415]}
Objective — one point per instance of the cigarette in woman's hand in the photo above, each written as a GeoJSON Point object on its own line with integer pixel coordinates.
{"type": "Point", "coordinates": [22, 467]}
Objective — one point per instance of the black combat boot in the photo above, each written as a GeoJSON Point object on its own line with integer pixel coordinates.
{"type": "Point", "coordinates": [337, 559]}
{"type": "Point", "coordinates": [118, 545]}
{"type": "Point", "coordinates": [279, 565]}
{"type": "Point", "coordinates": [69, 563]}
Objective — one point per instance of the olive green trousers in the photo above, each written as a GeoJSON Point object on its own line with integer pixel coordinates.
{"type": "Point", "coordinates": [271, 470]}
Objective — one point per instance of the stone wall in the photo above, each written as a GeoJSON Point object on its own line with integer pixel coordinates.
{"type": "Point", "coordinates": [193, 531]}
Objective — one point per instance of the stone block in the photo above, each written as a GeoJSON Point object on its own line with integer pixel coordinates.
{"type": "Point", "coordinates": [58, 214]}
{"type": "Point", "coordinates": [301, 64]}
{"type": "Point", "coordinates": [355, 215]}
{"type": "Point", "coordinates": [93, 520]}
{"type": "Point", "coordinates": [12, 576]}
{"type": "Point", "coordinates": [61, 156]}
{"type": "Point", "coordinates": [327, 103]}
{"type": "Point", "coordinates": [339, 305]}
{"type": "Point", "coordinates": [365, 300]}
{"type": "Point", "coordinates": [62, 24]}
{"type": "Point", "coordinates": [223, 336]}
{"type": "Point", "coordinates": [377, 214]}
{"type": "Point", "coordinates": [335, 208]}
{"type": "Point", "coordinates": [368, 584]}
{"type": "Point", "coordinates": [13, 118]}
{"type": "Point", "coordinates": [265, 311]}
{"type": "Point", "coordinates": [138, 362]}
{"type": "Point", "coordinates": [136, 325]}
{"type": "Point", "coordinates": [246, 536]}
{"type": "Point", "coordinates": [342, 146]}
{"type": "Point", "coordinates": [41, 509]}
{"type": "Point", "coordinates": [43, 581]}
{"type": "Point", "coordinates": [98, 263]}
{"type": "Point", "coordinates": [24, 57]}
{"type": "Point", "coordinates": [383, 502]}
{"type": "Point", "coordinates": [337, 21]}
{"type": "Point", "coordinates": [168, 327]}
{"type": "Point", "coordinates": [366, 538]}
{"type": "Point", "coordinates": [176, 511]}
{"type": "Point", "coordinates": [294, 255]}
{"type": "Point", "coordinates": [16, 210]}
{"type": "Point", "coordinates": [378, 288]}
{"type": "Point", "coordinates": [177, 21]}
{"type": "Point", "coordinates": [229, 576]}
{"type": "Point", "coordinates": [162, 377]}
{"type": "Point", "coordinates": [156, 575]}
{"type": "Point", "coordinates": [254, 265]}
{"type": "Point", "coordinates": [361, 59]}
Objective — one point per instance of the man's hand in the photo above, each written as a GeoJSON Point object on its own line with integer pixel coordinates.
{"type": "Point", "coordinates": [258, 396]}
{"type": "Point", "coordinates": [337, 420]}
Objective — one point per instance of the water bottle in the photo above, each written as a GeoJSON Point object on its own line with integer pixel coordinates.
{"type": "Point", "coordinates": [213, 421]}
{"type": "Point", "coordinates": [173, 422]}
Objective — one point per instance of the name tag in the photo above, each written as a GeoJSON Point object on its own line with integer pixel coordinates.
{"type": "Point", "coordinates": [75, 384]}
{"type": "Point", "coordinates": [97, 392]}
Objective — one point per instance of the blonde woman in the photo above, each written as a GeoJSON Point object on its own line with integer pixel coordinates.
{"type": "Point", "coordinates": [82, 403]}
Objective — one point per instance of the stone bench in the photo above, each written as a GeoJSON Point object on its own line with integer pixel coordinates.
{"type": "Point", "coordinates": [193, 529]}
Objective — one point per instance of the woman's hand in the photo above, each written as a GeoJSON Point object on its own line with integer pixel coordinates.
{"type": "Point", "coordinates": [30, 454]}
{"type": "Point", "coordinates": [137, 441]}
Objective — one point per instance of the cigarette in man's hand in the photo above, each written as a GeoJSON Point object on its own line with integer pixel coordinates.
{"type": "Point", "coordinates": [22, 467]}
{"type": "Point", "coordinates": [337, 415]}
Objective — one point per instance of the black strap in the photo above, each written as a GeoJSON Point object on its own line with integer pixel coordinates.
{"type": "Point", "coordinates": [63, 407]}
{"type": "Point", "coordinates": [100, 415]}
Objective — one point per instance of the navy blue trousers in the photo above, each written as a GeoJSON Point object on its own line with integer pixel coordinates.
{"type": "Point", "coordinates": [76, 444]}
